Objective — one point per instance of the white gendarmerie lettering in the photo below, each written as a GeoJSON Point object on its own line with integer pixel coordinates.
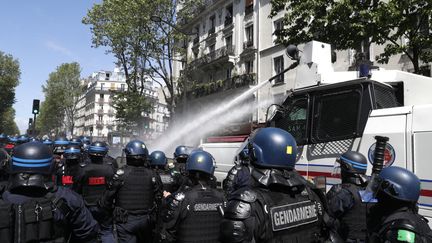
{"type": "Point", "coordinates": [291, 215]}
{"type": "Point", "coordinates": [207, 206]}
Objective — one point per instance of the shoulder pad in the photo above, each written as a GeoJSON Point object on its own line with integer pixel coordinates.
{"type": "Point", "coordinates": [180, 196]}
{"type": "Point", "coordinates": [245, 196]}
{"type": "Point", "coordinates": [236, 209]}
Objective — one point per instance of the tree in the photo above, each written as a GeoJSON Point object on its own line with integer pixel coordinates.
{"type": "Point", "coordinates": [352, 24]}
{"type": "Point", "coordinates": [143, 48]}
{"type": "Point", "coordinates": [7, 123]}
{"type": "Point", "coordinates": [62, 91]}
{"type": "Point", "coordinates": [9, 79]}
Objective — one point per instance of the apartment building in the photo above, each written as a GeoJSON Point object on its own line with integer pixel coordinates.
{"type": "Point", "coordinates": [96, 114]}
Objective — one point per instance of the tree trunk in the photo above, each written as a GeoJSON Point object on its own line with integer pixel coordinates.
{"type": "Point", "coordinates": [415, 60]}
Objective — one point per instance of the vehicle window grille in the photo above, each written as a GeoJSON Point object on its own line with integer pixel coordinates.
{"type": "Point", "coordinates": [384, 97]}
{"type": "Point", "coordinates": [336, 117]}
{"type": "Point", "coordinates": [329, 149]}
{"type": "Point", "coordinates": [294, 120]}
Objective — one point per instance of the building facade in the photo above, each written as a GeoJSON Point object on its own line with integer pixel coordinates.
{"type": "Point", "coordinates": [96, 115]}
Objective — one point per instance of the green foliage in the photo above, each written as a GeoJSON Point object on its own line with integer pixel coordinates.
{"type": "Point", "coordinates": [62, 91]}
{"type": "Point", "coordinates": [9, 79]}
{"type": "Point", "coordinates": [7, 123]}
{"type": "Point", "coordinates": [143, 47]}
{"type": "Point", "coordinates": [131, 108]}
{"type": "Point", "coordinates": [347, 24]}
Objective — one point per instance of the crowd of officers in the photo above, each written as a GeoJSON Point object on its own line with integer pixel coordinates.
{"type": "Point", "coordinates": [72, 191]}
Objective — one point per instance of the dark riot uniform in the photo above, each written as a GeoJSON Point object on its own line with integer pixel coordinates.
{"type": "Point", "coordinates": [395, 217]}
{"type": "Point", "coordinates": [192, 214]}
{"type": "Point", "coordinates": [238, 177]}
{"type": "Point", "coordinates": [34, 210]}
{"type": "Point", "coordinates": [280, 205]}
{"type": "Point", "coordinates": [344, 201]}
{"type": "Point", "coordinates": [134, 194]}
{"type": "Point", "coordinates": [69, 166]}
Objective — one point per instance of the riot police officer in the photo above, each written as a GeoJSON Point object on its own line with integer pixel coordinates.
{"type": "Point", "coordinates": [41, 211]}
{"type": "Point", "coordinates": [281, 206]}
{"type": "Point", "coordinates": [59, 146]}
{"type": "Point", "coordinates": [23, 139]}
{"type": "Point", "coordinates": [4, 175]}
{"type": "Point", "coordinates": [91, 182]}
{"type": "Point", "coordinates": [395, 217]}
{"type": "Point", "coordinates": [239, 175]}
{"type": "Point", "coordinates": [181, 155]}
{"type": "Point", "coordinates": [97, 153]}
{"type": "Point", "coordinates": [344, 201]}
{"type": "Point", "coordinates": [69, 165]}
{"type": "Point", "coordinates": [158, 162]}
{"type": "Point", "coordinates": [193, 214]}
{"type": "Point", "coordinates": [135, 191]}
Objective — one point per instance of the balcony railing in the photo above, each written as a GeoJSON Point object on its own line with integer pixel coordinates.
{"type": "Point", "coordinates": [204, 89]}
{"type": "Point", "coordinates": [214, 55]}
{"type": "Point", "coordinates": [248, 44]}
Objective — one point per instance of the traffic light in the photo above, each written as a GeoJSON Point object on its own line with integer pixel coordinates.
{"type": "Point", "coordinates": [30, 122]}
{"type": "Point", "coordinates": [35, 107]}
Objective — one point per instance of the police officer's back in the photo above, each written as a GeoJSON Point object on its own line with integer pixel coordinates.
{"type": "Point", "coordinates": [395, 217]}
{"type": "Point", "coordinates": [193, 214]}
{"type": "Point", "coordinates": [135, 192]}
{"type": "Point", "coordinates": [93, 175]}
{"type": "Point", "coordinates": [344, 201]}
{"type": "Point", "coordinates": [69, 166]}
{"type": "Point", "coordinates": [239, 175]}
{"type": "Point", "coordinates": [158, 163]}
{"type": "Point", "coordinates": [34, 210]}
{"type": "Point", "coordinates": [281, 206]}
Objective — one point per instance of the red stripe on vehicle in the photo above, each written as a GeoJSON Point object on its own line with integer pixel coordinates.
{"type": "Point", "coordinates": [317, 173]}
{"type": "Point", "coordinates": [426, 193]}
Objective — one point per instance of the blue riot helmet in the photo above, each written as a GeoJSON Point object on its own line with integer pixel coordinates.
{"type": "Point", "coordinates": [200, 161]}
{"type": "Point", "coordinates": [158, 158]}
{"type": "Point", "coordinates": [353, 166]}
{"type": "Point", "coordinates": [31, 166]}
{"type": "Point", "coordinates": [23, 139]}
{"type": "Point", "coordinates": [181, 154]}
{"type": "Point", "coordinates": [98, 149]}
{"type": "Point", "coordinates": [85, 142]}
{"type": "Point", "coordinates": [48, 142]}
{"type": "Point", "coordinates": [76, 141]}
{"type": "Point", "coordinates": [272, 147]}
{"type": "Point", "coordinates": [72, 153]}
{"type": "Point", "coordinates": [13, 139]}
{"type": "Point", "coordinates": [399, 184]}
{"type": "Point", "coordinates": [136, 153]}
{"type": "Point", "coordinates": [60, 145]}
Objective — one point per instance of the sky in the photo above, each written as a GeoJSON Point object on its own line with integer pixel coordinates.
{"type": "Point", "coordinates": [42, 35]}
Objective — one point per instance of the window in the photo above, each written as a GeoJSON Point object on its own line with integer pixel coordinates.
{"type": "Point", "coordinates": [248, 7]}
{"type": "Point", "coordinates": [228, 41]}
{"type": "Point", "coordinates": [228, 15]}
{"type": "Point", "coordinates": [278, 68]}
{"type": "Point", "coordinates": [100, 118]}
{"type": "Point", "coordinates": [249, 36]}
{"type": "Point", "coordinates": [336, 116]}
{"type": "Point", "coordinates": [277, 26]}
{"type": "Point", "coordinates": [101, 96]}
{"type": "Point", "coordinates": [102, 86]}
{"type": "Point", "coordinates": [107, 76]}
{"type": "Point", "coordinates": [122, 87]}
{"type": "Point", "coordinates": [228, 73]}
{"type": "Point", "coordinates": [294, 120]}
{"type": "Point", "coordinates": [212, 25]}
{"type": "Point", "coordinates": [249, 66]}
